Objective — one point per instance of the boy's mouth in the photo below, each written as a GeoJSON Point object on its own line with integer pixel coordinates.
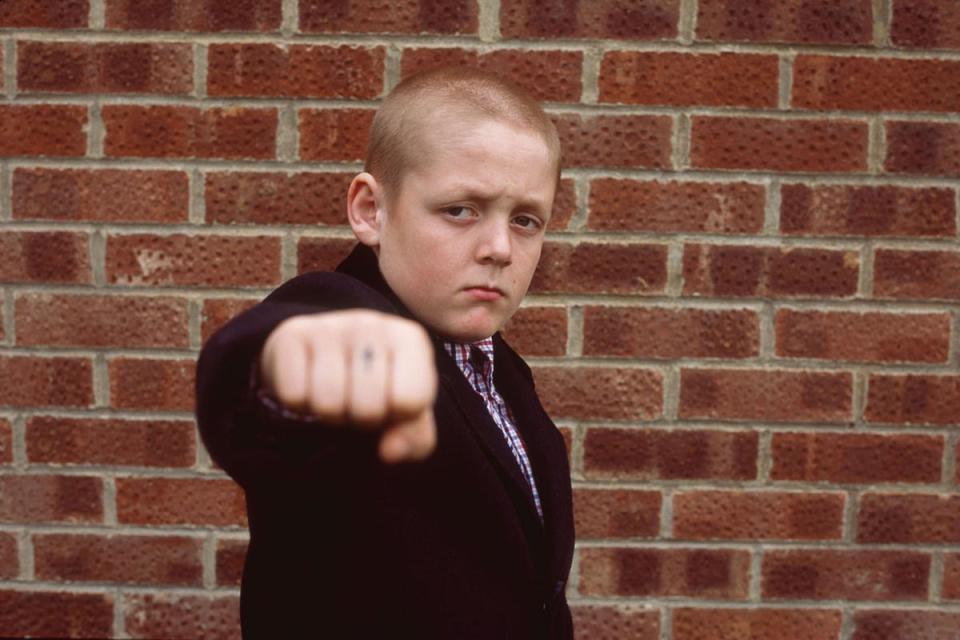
{"type": "Point", "coordinates": [487, 294]}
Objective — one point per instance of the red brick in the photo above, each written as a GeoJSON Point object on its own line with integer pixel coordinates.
{"type": "Point", "coordinates": [600, 393]}
{"type": "Point", "coordinates": [923, 148]}
{"type": "Point", "coordinates": [951, 576]}
{"type": "Point", "coordinates": [52, 614]}
{"type": "Point", "coordinates": [621, 622]}
{"type": "Point", "coordinates": [55, 130]}
{"type": "Point", "coordinates": [46, 381]}
{"type": "Point", "coordinates": [823, 574]}
{"type": "Point", "coordinates": [190, 132]}
{"type": "Point", "coordinates": [909, 518]}
{"type": "Point", "coordinates": [182, 260]}
{"type": "Point", "coordinates": [930, 24]}
{"type": "Point", "coordinates": [619, 19]}
{"type": "Point", "coordinates": [634, 205]}
{"type": "Point", "coordinates": [885, 210]}
{"type": "Point", "coordinates": [143, 383]}
{"type": "Point", "coordinates": [538, 331]}
{"type": "Point", "coordinates": [903, 624]}
{"type": "Point", "coordinates": [180, 501]}
{"type": "Point", "coordinates": [182, 617]}
{"type": "Point", "coordinates": [45, 14]}
{"type": "Point", "coordinates": [756, 624]}
{"type": "Point", "coordinates": [125, 559]}
{"type": "Point", "coordinates": [856, 457]}
{"type": "Point", "coordinates": [400, 16]}
{"type": "Point", "coordinates": [216, 313]}
{"type": "Point", "coordinates": [757, 515]}
{"type": "Point", "coordinates": [9, 560]}
{"type": "Point", "coordinates": [34, 499]}
{"type": "Point", "coordinates": [863, 337]}
{"type": "Point", "coordinates": [105, 67]}
{"type": "Point", "coordinates": [594, 267]}
{"type": "Point", "coordinates": [616, 513]}
{"type": "Point", "coordinates": [301, 71]}
{"type": "Point", "coordinates": [917, 275]}
{"type": "Point", "coordinates": [652, 454]}
{"type": "Point", "coordinates": [100, 320]}
{"type": "Point", "coordinates": [614, 141]}
{"type": "Point", "coordinates": [751, 271]}
{"type": "Point", "coordinates": [114, 441]}
{"type": "Point", "coordinates": [194, 15]}
{"type": "Point", "coordinates": [334, 135]}
{"type": "Point", "coordinates": [549, 76]}
{"type": "Point", "coordinates": [564, 206]}
{"type": "Point", "coordinates": [705, 573]}
{"type": "Point", "coordinates": [6, 441]}
{"type": "Point", "coordinates": [231, 554]}
{"type": "Point", "coordinates": [913, 399]}
{"type": "Point", "coordinates": [769, 144]}
{"type": "Point", "coordinates": [766, 395]}
{"type": "Point", "coordinates": [45, 256]}
{"type": "Point", "coordinates": [277, 198]}
{"type": "Point", "coordinates": [101, 195]}
{"type": "Point", "coordinates": [322, 254]}
{"type": "Point", "coordinates": [793, 21]}
{"type": "Point", "coordinates": [682, 79]}
{"type": "Point", "coordinates": [670, 333]}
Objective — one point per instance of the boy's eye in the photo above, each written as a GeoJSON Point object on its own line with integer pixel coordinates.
{"type": "Point", "coordinates": [527, 222]}
{"type": "Point", "coordinates": [459, 213]}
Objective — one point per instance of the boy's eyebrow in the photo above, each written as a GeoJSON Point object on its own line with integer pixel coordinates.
{"type": "Point", "coordinates": [470, 192]}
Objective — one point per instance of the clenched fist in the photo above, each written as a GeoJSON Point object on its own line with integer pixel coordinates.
{"type": "Point", "coordinates": [360, 368]}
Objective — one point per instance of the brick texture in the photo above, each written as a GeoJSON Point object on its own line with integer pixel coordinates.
{"type": "Point", "coordinates": [6, 441]}
{"type": "Point", "coordinates": [849, 575]}
{"type": "Point", "coordinates": [322, 254]}
{"type": "Point", "coordinates": [55, 130]}
{"type": "Point", "coordinates": [58, 381]}
{"type": "Point", "coordinates": [178, 501]}
{"type": "Point", "coordinates": [913, 399]}
{"type": "Point", "coordinates": [619, 19]}
{"type": "Point", "coordinates": [276, 198]}
{"type": "Point", "coordinates": [181, 617]}
{"type": "Point", "coordinates": [51, 499]}
{"type": "Point", "coordinates": [538, 331]}
{"type": "Point", "coordinates": [230, 557]}
{"type": "Point", "coordinates": [842, 22]}
{"type": "Point", "coordinates": [149, 384]}
{"type": "Point", "coordinates": [402, 16]}
{"type": "Point", "coordinates": [905, 625]}
{"type": "Point", "coordinates": [600, 393]}
{"type": "Point", "coordinates": [216, 312]}
{"type": "Point", "coordinates": [194, 15]}
{"type": "Point", "coordinates": [42, 256]}
{"type": "Point", "coordinates": [334, 135]}
{"type": "Point", "coordinates": [917, 275]}
{"type": "Point", "coordinates": [620, 141]}
{"type": "Point", "coordinates": [591, 267]}
{"type": "Point", "coordinates": [44, 14]}
{"type": "Point", "coordinates": [759, 624]}
{"type": "Point", "coordinates": [923, 148]}
{"type": "Point", "coordinates": [909, 518]}
{"type": "Point", "coordinates": [56, 614]}
{"type": "Point", "coordinates": [951, 576]}
{"type": "Point", "coordinates": [618, 513]}
{"type": "Point", "coordinates": [605, 622]}
{"type": "Point", "coordinates": [926, 24]}
{"type": "Point", "coordinates": [9, 559]}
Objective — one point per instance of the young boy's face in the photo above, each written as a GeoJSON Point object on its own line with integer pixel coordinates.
{"type": "Point", "coordinates": [461, 238]}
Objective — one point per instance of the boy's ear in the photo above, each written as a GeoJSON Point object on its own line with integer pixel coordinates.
{"type": "Point", "coordinates": [364, 203]}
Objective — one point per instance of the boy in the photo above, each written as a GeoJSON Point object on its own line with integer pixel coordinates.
{"type": "Point", "coordinates": [402, 479]}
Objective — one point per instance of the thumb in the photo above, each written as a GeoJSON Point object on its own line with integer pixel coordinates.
{"type": "Point", "coordinates": [410, 440]}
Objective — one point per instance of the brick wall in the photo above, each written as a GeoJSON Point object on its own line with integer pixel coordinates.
{"type": "Point", "coordinates": [745, 323]}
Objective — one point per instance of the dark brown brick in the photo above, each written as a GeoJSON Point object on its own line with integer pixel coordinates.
{"type": "Point", "coordinates": [182, 617]}
{"type": "Point", "coordinates": [549, 76]}
{"type": "Point", "coordinates": [863, 337]}
{"type": "Point", "coordinates": [100, 320]}
{"type": "Point", "coordinates": [277, 198]}
{"type": "Point", "coordinates": [903, 624]}
{"type": "Point", "coordinates": [769, 144]}
{"type": "Point", "coordinates": [217, 311]}
{"type": "Point", "coordinates": [756, 624]}
{"type": "Point", "coordinates": [682, 79]}
{"type": "Point", "coordinates": [856, 457]}
{"type": "Point", "coordinates": [885, 210]}
{"type": "Point", "coordinates": [53, 614]}
{"type": "Point", "coordinates": [621, 622]}
{"type": "Point", "coordinates": [789, 21]}
{"type": "Point", "coordinates": [34, 499]}
{"type": "Point", "coordinates": [149, 384]}
{"type": "Point", "coordinates": [619, 19]}
{"type": "Point", "coordinates": [400, 16]}
{"type": "Point", "coordinates": [538, 331]}
{"type": "Point", "coordinates": [194, 15]}
{"type": "Point", "coordinates": [302, 71]}
{"type": "Point", "coordinates": [45, 257]}
{"type": "Point", "coordinates": [913, 399]}
{"type": "Point", "coordinates": [180, 501]}
{"type": "Point", "coordinates": [234, 133]}
{"type": "Point", "coordinates": [55, 130]}
{"type": "Point", "coordinates": [706, 573]}
{"type": "Point", "coordinates": [670, 333]}
{"type": "Point", "coordinates": [45, 14]}
{"type": "Point", "coordinates": [149, 560]}
{"type": "Point", "coordinates": [751, 271]}
{"type": "Point", "coordinates": [829, 574]}
{"type": "Point", "coordinates": [767, 395]}
{"type": "Point", "coordinates": [594, 267]}
{"type": "Point", "coordinates": [909, 518]}
{"type": "Point", "coordinates": [600, 393]}
{"type": "Point", "coordinates": [929, 24]}
{"type": "Point", "coordinates": [923, 148]}
{"type": "Point", "coordinates": [46, 381]}
{"type": "Point", "coordinates": [231, 554]}
{"type": "Point", "coordinates": [653, 454]}
{"type": "Point", "coordinates": [9, 560]}
{"type": "Point", "coordinates": [757, 515]}
{"type": "Point", "coordinates": [615, 141]}
{"type": "Point", "coordinates": [115, 441]}
{"type": "Point", "coordinates": [101, 195]}
{"type": "Point", "coordinates": [322, 254]}
{"type": "Point", "coordinates": [951, 576]}
{"type": "Point", "coordinates": [916, 275]}
{"type": "Point", "coordinates": [104, 67]}
{"type": "Point", "coordinates": [6, 442]}
{"type": "Point", "coordinates": [616, 513]}
{"type": "Point", "coordinates": [195, 261]}
{"type": "Point", "coordinates": [634, 205]}
{"type": "Point", "coordinates": [334, 135]}
{"type": "Point", "coordinates": [564, 206]}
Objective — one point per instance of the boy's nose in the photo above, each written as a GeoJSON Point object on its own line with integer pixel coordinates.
{"type": "Point", "coordinates": [496, 245]}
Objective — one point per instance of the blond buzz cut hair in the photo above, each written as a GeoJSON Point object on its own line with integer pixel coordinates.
{"type": "Point", "coordinates": [463, 94]}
